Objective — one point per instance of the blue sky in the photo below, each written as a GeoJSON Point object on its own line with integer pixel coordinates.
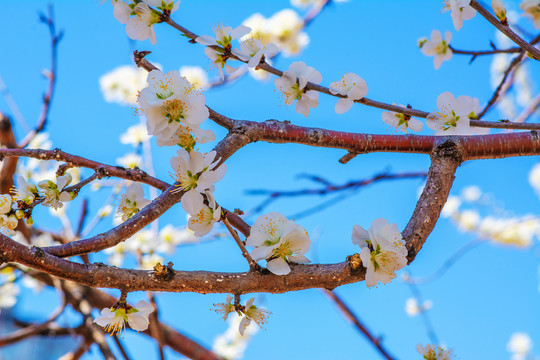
{"type": "Point", "coordinates": [489, 294]}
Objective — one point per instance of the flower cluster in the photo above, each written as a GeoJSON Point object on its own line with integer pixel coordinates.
{"type": "Point", "coordinates": [515, 231]}
{"type": "Point", "coordinates": [284, 29]}
{"type": "Point", "coordinates": [115, 318]}
{"type": "Point", "coordinates": [249, 312]}
{"type": "Point", "coordinates": [140, 18]}
{"type": "Point", "coordinates": [174, 109]}
{"type": "Point", "coordinates": [196, 174]}
{"type": "Point", "coordinates": [293, 86]}
{"type": "Point", "coordinates": [383, 250]}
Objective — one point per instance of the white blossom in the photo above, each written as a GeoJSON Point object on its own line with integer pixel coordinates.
{"type": "Point", "coordinates": [432, 352]}
{"type": "Point", "coordinates": [252, 51]}
{"type": "Point", "coordinates": [134, 135]}
{"type": "Point", "coordinates": [25, 192]}
{"type": "Point", "coordinates": [114, 319]}
{"type": "Point", "coordinates": [438, 47]}
{"type": "Point", "coordinates": [514, 231]}
{"type": "Point", "coordinates": [401, 121]}
{"type": "Point", "coordinates": [8, 295]}
{"type": "Point", "coordinates": [353, 87]}
{"type": "Point", "coordinates": [169, 102]}
{"type": "Point", "coordinates": [471, 193]}
{"type": "Point", "coordinates": [412, 308]}
{"type": "Point", "coordinates": [225, 308]}
{"type": "Point", "coordinates": [293, 82]}
{"type": "Point", "coordinates": [54, 193]}
{"type": "Point", "coordinates": [5, 203]}
{"type": "Point", "coordinates": [282, 29]}
{"type": "Point", "coordinates": [196, 172]}
{"type": "Point", "coordinates": [202, 216]}
{"type": "Point", "coordinates": [223, 36]}
{"type": "Point", "coordinates": [149, 261]}
{"type": "Point", "coordinates": [460, 10]}
{"type": "Point", "coordinates": [132, 201]}
{"type": "Point", "coordinates": [130, 161]}
{"type": "Point", "coordinates": [383, 250]}
{"type": "Point", "coordinates": [534, 178]}
{"type": "Point", "coordinates": [251, 312]}
{"type": "Point", "coordinates": [520, 345]}
{"type": "Point", "coordinates": [280, 241]}
{"type": "Point", "coordinates": [499, 10]}
{"type": "Point", "coordinates": [122, 84]}
{"type": "Point", "coordinates": [170, 237]}
{"type": "Point", "coordinates": [195, 75]}
{"type": "Point", "coordinates": [532, 10]}
{"type": "Point", "coordinates": [453, 117]}
{"type": "Point", "coordinates": [451, 206]}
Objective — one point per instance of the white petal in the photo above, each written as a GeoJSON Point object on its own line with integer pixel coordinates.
{"type": "Point", "coordinates": [278, 267]}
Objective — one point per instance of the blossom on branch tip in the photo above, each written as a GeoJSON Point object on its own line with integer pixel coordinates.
{"type": "Point", "coordinates": [383, 250]}
{"type": "Point", "coordinates": [252, 51]}
{"type": "Point", "coordinates": [353, 87]}
{"type": "Point", "coordinates": [438, 47]}
{"type": "Point", "coordinates": [114, 319]}
{"type": "Point", "coordinates": [54, 193]}
{"type": "Point", "coordinates": [169, 102]}
{"type": "Point", "coordinates": [499, 10]}
{"type": "Point", "coordinates": [432, 352]}
{"type": "Point", "coordinates": [132, 201]}
{"type": "Point", "coordinates": [292, 84]}
{"type": "Point", "coordinates": [460, 10]}
{"type": "Point", "coordinates": [402, 121]}
{"type": "Point", "coordinates": [532, 10]}
{"type": "Point", "coordinates": [280, 241]}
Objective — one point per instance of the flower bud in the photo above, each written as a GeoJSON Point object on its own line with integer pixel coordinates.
{"type": "Point", "coordinates": [499, 10]}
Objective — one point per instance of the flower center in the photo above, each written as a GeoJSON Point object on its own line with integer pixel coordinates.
{"type": "Point", "coordinates": [441, 48]}
{"type": "Point", "coordinates": [283, 251]}
{"type": "Point", "coordinates": [174, 110]}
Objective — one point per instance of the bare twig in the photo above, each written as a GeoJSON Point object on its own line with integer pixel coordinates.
{"type": "Point", "coordinates": [353, 318]}
{"type": "Point", "coordinates": [252, 263]}
{"type": "Point", "coordinates": [52, 75]}
{"type": "Point", "coordinates": [506, 30]}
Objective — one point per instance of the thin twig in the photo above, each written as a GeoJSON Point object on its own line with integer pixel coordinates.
{"type": "Point", "coordinates": [506, 30]}
{"type": "Point", "coordinates": [52, 75]}
{"type": "Point", "coordinates": [252, 263]}
{"type": "Point", "coordinates": [533, 106]}
{"type": "Point", "coordinates": [432, 335]}
{"type": "Point", "coordinates": [352, 317]}
{"type": "Point", "coordinates": [486, 52]}
{"type": "Point", "coordinates": [155, 325]}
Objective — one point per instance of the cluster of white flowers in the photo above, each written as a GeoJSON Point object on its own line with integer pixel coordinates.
{"type": "Point", "coordinates": [122, 84]}
{"type": "Point", "coordinates": [196, 174]}
{"type": "Point", "coordinates": [432, 352]}
{"type": "Point", "coordinates": [284, 29]}
{"type": "Point", "coordinates": [174, 109]}
{"type": "Point", "coordinates": [383, 250]}
{"type": "Point", "coordinates": [292, 84]}
{"type": "Point", "coordinates": [115, 318]}
{"type": "Point", "coordinates": [520, 345]}
{"type": "Point", "coordinates": [55, 194]}
{"type": "Point", "coordinates": [280, 241]}
{"type": "Point", "coordinates": [249, 312]}
{"type": "Point", "coordinates": [515, 231]}
{"type": "Point", "coordinates": [140, 18]}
